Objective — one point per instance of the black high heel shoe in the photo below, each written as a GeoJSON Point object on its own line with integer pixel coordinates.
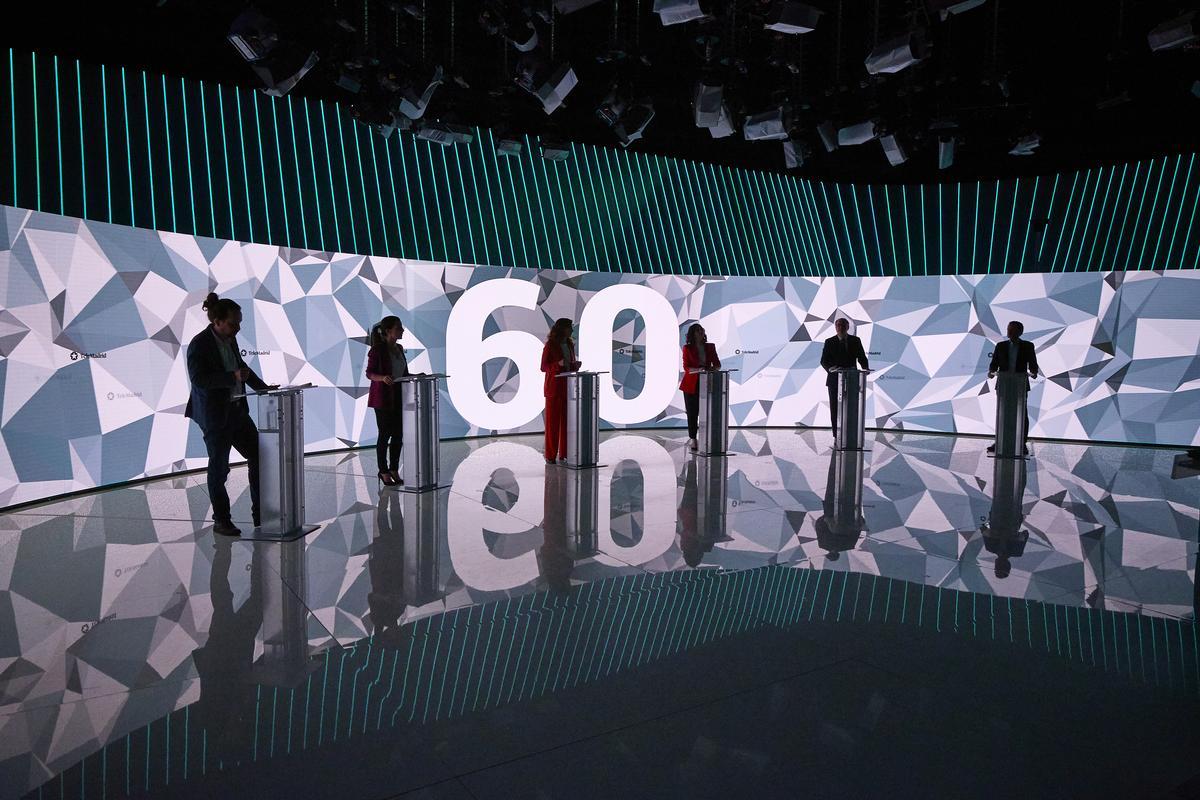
{"type": "Point", "coordinates": [386, 479]}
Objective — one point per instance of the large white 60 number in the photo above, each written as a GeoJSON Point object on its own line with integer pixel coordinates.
{"type": "Point", "coordinates": [465, 353]}
{"type": "Point", "coordinates": [662, 352]}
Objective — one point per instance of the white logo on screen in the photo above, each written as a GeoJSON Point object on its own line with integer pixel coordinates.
{"type": "Point", "coordinates": [466, 351]}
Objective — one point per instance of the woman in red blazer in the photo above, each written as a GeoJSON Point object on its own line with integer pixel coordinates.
{"type": "Point", "coordinates": [385, 363]}
{"type": "Point", "coordinates": [698, 354]}
{"type": "Point", "coordinates": [558, 356]}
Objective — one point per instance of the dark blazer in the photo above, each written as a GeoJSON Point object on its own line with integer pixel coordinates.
{"type": "Point", "coordinates": [835, 355]}
{"type": "Point", "coordinates": [552, 365]}
{"type": "Point", "coordinates": [212, 385]}
{"type": "Point", "coordinates": [1026, 358]}
{"type": "Point", "coordinates": [379, 362]}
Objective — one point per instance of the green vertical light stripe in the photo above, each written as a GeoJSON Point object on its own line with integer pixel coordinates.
{"type": "Point", "coordinates": [907, 229]}
{"type": "Point", "coordinates": [316, 184]}
{"type": "Point", "coordinates": [1153, 209]}
{"type": "Point", "coordinates": [924, 244]}
{"type": "Point", "coordinates": [748, 233]}
{"type": "Point", "coordinates": [636, 222]}
{"type": "Point", "coordinates": [149, 158]}
{"type": "Point", "coordinates": [1138, 221]}
{"type": "Point", "coordinates": [992, 241]}
{"type": "Point", "coordinates": [1099, 221]}
{"type": "Point", "coordinates": [632, 254]}
{"type": "Point", "coordinates": [833, 231]}
{"type": "Point", "coordinates": [731, 223]}
{"type": "Point", "coordinates": [170, 159]}
{"type": "Point", "coordinates": [445, 175]}
{"type": "Point", "coordinates": [1062, 229]}
{"type": "Point", "coordinates": [1012, 219]}
{"type": "Point", "coordinates": [586, 187]}
{"type": "Point", "coordinates": [337, 229]}
{"type": "Point", "coordinates": [758, 230]}
{"type": "Point", "coordinates": [941, 225]}
{"type": "Point", "coordinates": [690, 264]}
{"type": "Point", "coordinates": [455, 151]}
{"type": "Point", "coordinates": [337, 115]}
{"type": "Point", "coordinates": [296, 165]}
{"type": "Point", "coordinates": [720, 257]}
{"type": "Point", "coordinates": [1179, 213]}
{"type": "Point", "coordinates": [225, 151]}
{"type": "Point", "coordinates": [356, 129]}
{"type": "Point", "coordinates": [887, 203]}
{"type": "Point", "coordinates": [262, 166]}
{"type": "Point", "coordinates": [815, 215]}
{"type": "Point", "coordinates": [212, 203]}
{"type": "Point", "coordinates": [538, 262]}
{"type": "Point", "coordinates": [1075, 225]}
{"type": "Point", "coordinates": [1166, 213]}
{"type": "Point", "coordinates": [486, 169]}
{"type": "Point", "coordinates": [371, 137]}
{"type": "Point", "coordinates": [62, 205]}
{"type": "Point", "coordinates": [408, 198]}
{"type": "Point", "coordinates": [1113, 218]}
{"type": "Point", "coordinates": [577, 190]}
{"type": "Point", "coordinates": [787, 188]}
{"type": "Point", "coordinates": [187, 145]}
{"type": "Point", "coordinates": [391, 181]}
{"type": "Point", "coordinates": [770, 223]}
{"type": "Point", "coordinates": [82, 151]}
{"type": "Point", "coordinates": [471, 168]}
{"type": "Point", "coordinates": [437, 205]}
{"type": "Point", "coordinates": [786, 221]}
{"type": "Point", "coordinates": [875, 229]}
{"type": "Point", "coordinates": [561, 230]}
{"type": "Point", "coordinates": [37, 139]}
{"type": "Point", "coordinates": [107, 156]}
{"type": "Point", "coordinates": [1088, 220]}
{"type": "Point", "coordinates": [512, 192]}
{"type": "Point", "coordinates": [957, 227]}
{"type": "Point", "coordinates": [1049, 216]}
{"type": "Point", "coordinates": [837, 190]}
{"type": "Point", "coordinates": [662, 258]}
{"type": "Point", "coordinates": [975, 235]}
{"type": "Point", "coordinates": [12, 108]}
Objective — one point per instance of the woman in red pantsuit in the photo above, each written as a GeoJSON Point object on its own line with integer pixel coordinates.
{"type": "Point", "coordinates": [698, 354]}
{"type": "Point", "coordinates": [558, 356]}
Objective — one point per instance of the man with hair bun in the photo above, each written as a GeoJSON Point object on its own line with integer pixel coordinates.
{"type": "Point", "coordinates": [218, 374]}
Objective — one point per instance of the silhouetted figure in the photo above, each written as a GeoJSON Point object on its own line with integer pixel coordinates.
{"type": "Point", "coordinates": [1002, 534]}
{"type": "Point", "coordinates": [841, 524]}
{"type": "Point", "coordinates": [841, 351]}
{"type": "Point", "coordinates": [558, 356]}
{"type": "Point", "coordinates": [385, 566]}
{"type": "Point", "coordinates": [227, 693]}
{"type": "Point", "coordinates": [387, 363]}
{"type": "Point", "coordinates": [698, 354]}
{"type": "Point", "coordinates": [555, 560]}
{"type": "Point", "coordinates": [1015, 354]}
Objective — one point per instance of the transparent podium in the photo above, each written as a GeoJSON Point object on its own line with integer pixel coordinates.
{"type": "Point", "coordinates": [1011, 391]}
{"type": "Point", "coordinates": [583, 418]}
{"type": "Point", "coordinates": [713, 431]}
{"type": "Point", "coordinates": [420, 457]}
{"type": "Point", "coordinates": [281, 464]}
{"type": "Point", "coordinates": [842, 522]}
{"type": "Point", "coordinates": [852, 408]}
{"type": "Point", "coordinates": [283, 638]}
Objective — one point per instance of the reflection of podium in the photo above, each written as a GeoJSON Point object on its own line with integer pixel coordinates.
{"type": "Point", "coordinates": [702, 512]}
{"type": "Point", "coordinates": [1011, 391]}
{"type": "Point", "coordinates": [424, 580]}
{"type": "Point", "coordinates": [284, 661]}
{"type": "Point", "coordinates": [1002, 534]}
{"type": "Point", "coordinates": [842, 522]}
{"type": "Point", "coordinates": [713, 430]}
{"type": "Point", "coordinates": [583, 418]}
{"type": "Point", "coordinates": [419, 407]}
{"type": "Point", "coordinates": [405, 560]}
{"type": "Point", "coordinates": [852, 408]}
{"type": "Point", "coordinates": [581, 512]}
{"type": "Point", "coordinates": [281, 463]}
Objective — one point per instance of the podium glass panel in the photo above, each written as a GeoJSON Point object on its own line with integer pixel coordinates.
{"type": "Point", "coordinates": [583, 418]}
{"type": "Point", "coordinates": [852, 409]}
{"type": "Point", "coordinates": [713, 431]}
{"type": "Point", "coordinates": [281, 463]}
{"type": "Point", "coordinates": [420, 458]}
{"type": "Point", "coordinates": [1011, 391]}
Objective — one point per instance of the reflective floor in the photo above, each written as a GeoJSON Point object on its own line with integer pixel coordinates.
{"type": "Point", "coordinates": [915, 620]}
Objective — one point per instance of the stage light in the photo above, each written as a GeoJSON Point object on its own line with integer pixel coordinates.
{"type": "Point", "coordinates": [893, 149]}
{"type": "Point", "coordinates": [897, 54]}
{"type": "Point", "coordinates": [858, 133]}
{"type": "Point", "coordinates": [674, 12]}
{"type": "Point", "coordinates": [253, 35]}
{"type": "Point", "coordinates": [549, 83]}
{"type": "Point", "coordinates": [413, 102]}
{"type": "Point", "coordinates": [948, 8]}
{"type": "Point", "coordinates": [555, 149]}
{"type": "Point", "coordinates": [707, 102]}
{"type": "Point", "coordinates": [633, 122]}
{"type": "Point", "coordinates": [1026, 145]}
{"type": "Point", "coordinates": [1174, 33]}
{"type": "Point", "coordinates": [279, 64]}
{"type": "Point", "coordinates": [767, 126]}
{"type": "Point", "coordinates": [445, 133]}
{"type": "Point", "coordinates": [1196, 89]}
{"type": "Point", "coordinates": [509, 146]}
{"type": "Point", "coordinates": [792, 18]}
{"type": "Point", "coordinates": [793, 154]}
{"type": "Point", "coordinates": [571, 6]}
{"type": "Point", "coordinates": [945, 152]}
{"type": "Point", "coordinates": [829, 136]}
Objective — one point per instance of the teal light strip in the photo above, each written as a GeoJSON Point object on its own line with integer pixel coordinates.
{"type": "Point", "coordinates": [371, 137]}
{"type": "Point", "coordinates": [312, 163]}
{"type": "Point", "coordinates": [975, 236]}
{"type": "Point", "coordinates": [262, 166]}
{"type": "Point", "coordinates": [1167, 212]}
{"type": "Point", "coordinates": [187, 144]}
{"type": "Point", "coordinates": [237, 96]}
{"type": "Point", "coordinates": [790, 223]}
{"type": "Point", "coordinates": [296, 164]}
{"type": "Point", "coordinates": [1153, 209]}
{"type": "Point", "coordinates": [62, 204]}
{"type": "Point", "coordinates": [362, 186]}
{"type": "Point", "coordinates": [128, 149]}
{"type": "Point", "coordinates": [149, 158]}
{"type": "Point", "coordinates": [957, 228]}
{"type": "Point", "coordinates": [12, 107]}
{"type": "Point", "coordinates": [487, 183]}
{"type": "Point", "coordinates": [750, 240]}
{"type": "Point", "coordinates": [1088, 220]}
{"type": "Point", "coordinates": [387, 157]}
{"type": "Point", "coordinates": [846, 227]}
{"type": "Point", "coordinates": [815, 215]}
{"type": "Point", "coordinates": [1050, 216]}
{"type": "Point", "coordinates": [887, 202]}
{"type": "Point", "coordinates": [107, 158]}
{"type": "Point", "coordinates": [1179, 213]}
{"type": "Point", "coordinates": [170, 165]}
{"type": "Point", "coordinates": [875, 229]}
{"type": "Point", "coordinates": [924, 245]}
{"type": "Point", "coordinates": [1124, 212]}
{"type": "Point", "coordinates": [1012, 218]}
{"type": "Point", "coordinates": [749, 222]}
{"type": "Point", "coordinates": [907, 230]}
{"type": "Point", "coordinates": [774, 234]}
{"type": "Point", "coordinates": [225, 154]}
{"type": "Point", "coordinates": [542, 204]}
{"type": "Point", "coordinates": [487, 258]}
{"type": "Point", "coordinates": [537, 253]}
{"type": "Point", "coordinates": [1141, 205]}
{"type": "Point", "coordinates": [82, 150]}
{"type": "Point", "coordinates": [337, 229]}
{"type": "Point", "coordinates": [337, 113]}
{"type": "Point", "coordinates": [788, 189]}
{"type": "Point", "coordinates": [661, 254]}
{"type": "Point", "coordinates": [437, 202]}
{"type": "Point", "coordinates": [837, 244]}
{"type": "Point", "coordinates": [1092, 265]}
{"type": "Point", "coordinates": [512, 192]}
{"type": "Point", "coordinates": [992, 239]}
{"type": "Point", "coordinates": [445, 174]}
{"type": "Point", "coordinates": [212, 204]}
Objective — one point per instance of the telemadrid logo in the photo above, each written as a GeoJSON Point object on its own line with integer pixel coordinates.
{"type": "Point", "coordinates": [123, 395]}
{"type": "Point", "coordinates": [255, 352]}
{"type": "Point", "coordinates": [76, 355]}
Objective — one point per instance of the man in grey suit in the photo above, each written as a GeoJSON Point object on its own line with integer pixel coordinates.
{"type": "Point", "coordinates": [1014, 354]}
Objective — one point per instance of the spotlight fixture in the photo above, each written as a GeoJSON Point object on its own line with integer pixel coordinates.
{"type": "Point", "coordinates": [549, 83]}
{"type": "Point", "coordinates": [571, 6]}
{"type": "Point", "coordinates": [674, 12]}
{"type": "Point", "coordinates": [946, 151]}
{"type": "Point", "coordinates": [858, 133]}
{"type": "Point", "coordinates": [279, 64]}
{"type": "Point", "coordinates": [793, 154]}
{"type": "Point", "coordinates": [1174, 33]}
{"type": "Point", "coordinates": [627, 117]}
{"type": "Point", "coordinates": [893, 149]}
{"type": "Point", "coordinates": [1026, 145]}
{"type": "Point", "coordinates": [555, 149]}
{"type": "Point", "coordinates": [445, 133]}
{"type": "Point", "coordinates": [829, 136]}
{"type": "Point", "coordinates": [949, 8]}
{"type": "Point", "coordinates": [898, 53]}
{"type": "Point", "coordinates": [792, 18]}
{"type": "Point", "coordinates": [725, 125]}
{"type": "Point", "coordinates": [707, 102]}
{"type": "Point", "coordinates": [415, 98]}
{"type": "Point", "coordinates": [767, 126]}
{"type": "Point", "coordinates": [1196, 89]}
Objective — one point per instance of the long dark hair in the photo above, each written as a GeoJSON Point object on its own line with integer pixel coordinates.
{"type": "Point", "coordinates": [559, 330]}
{"type": "Point", "coordinates": [379, 331]}
{"type": "Point", "coordinates": [219, 309]}
{"type": "Point", "coordinates": [693, 329]}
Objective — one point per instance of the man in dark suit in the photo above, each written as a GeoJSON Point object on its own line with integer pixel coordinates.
{"type": "Point", "coordinates": [842, 350]}
{"type": "Point", "coordinates": [217, 373]}
{"type": "Point", "coordinates": [1014, 354]}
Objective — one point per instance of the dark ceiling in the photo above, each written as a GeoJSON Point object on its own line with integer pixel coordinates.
{"type": "Point", "coordinates": [1079, 74]}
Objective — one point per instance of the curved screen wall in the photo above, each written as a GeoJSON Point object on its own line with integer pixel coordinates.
{"type": "Point", "coordinates": [95, 318]}
{"type": "Point", "coordinates": [151, 151]}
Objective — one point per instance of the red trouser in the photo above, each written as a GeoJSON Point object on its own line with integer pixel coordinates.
{"type": "Point", "coordinates": [556, 426]}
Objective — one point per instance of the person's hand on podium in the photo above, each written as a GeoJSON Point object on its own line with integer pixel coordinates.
{"type": "Point", "coordinates": [575, 366]}
{"type": "Point", "coordinates": [272, 387]}
{"type": "Point", "coordinates": [242, 374]}
{"type": "Point", "coordinates": [387, 380]}
{"type": "Point", "coordinates": [991, 374]}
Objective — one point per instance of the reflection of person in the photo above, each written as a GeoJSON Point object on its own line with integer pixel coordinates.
{"type": "Point", "coordinates": [555, 562]}
{"type": "Point", "coordinates": [1002, 534]}
{"type": "Point", "coordinates": [840, 525]}
{"type": "Point", "coordinates": [386, 362]}
{"type": "Point", "coordinates": [218, 373]}
{"type": "Point", "coordinates": [698, 354]}
{"type": "Point", "coordinates": [226, 705]}
{"type": "Point", "coordinates": [840, 352]}
{"type": "Point", "coordinates": [558, 356]}
{"type": "Point", "coordinates": [693, 542]}
{"type": "Point", "coordinates": [385, 565]}
{"type": "Point", "coordinates": [1015, 354]}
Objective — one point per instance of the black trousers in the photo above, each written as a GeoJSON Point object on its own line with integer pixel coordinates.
{"type": "Point", "coordinates": [691, 404]}
{"type": "Point", "coordinates": [833, 404]}
{"type": "Point", "coordinates": [239, 434]}
{"type": "Point", "coordinates": [391, 438]}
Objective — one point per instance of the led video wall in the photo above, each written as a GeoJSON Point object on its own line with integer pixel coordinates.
{"type": "Point", "coordinates": [94, 320]}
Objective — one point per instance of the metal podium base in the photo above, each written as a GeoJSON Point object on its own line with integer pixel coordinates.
{"type": "Point", "coordinates": [259, 535]}
{"type": "Point", "coordinates": [414, 490]}
{"type": "Point", "coordinates": [726, 454]}
{"type": "Point", "coordinates": [580, 466]}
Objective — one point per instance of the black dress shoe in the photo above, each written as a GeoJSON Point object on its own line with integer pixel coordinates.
{"type": "Point", "coordinates": [226, 528]}
{"type": "Point", "coordinates": [991, 448]}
